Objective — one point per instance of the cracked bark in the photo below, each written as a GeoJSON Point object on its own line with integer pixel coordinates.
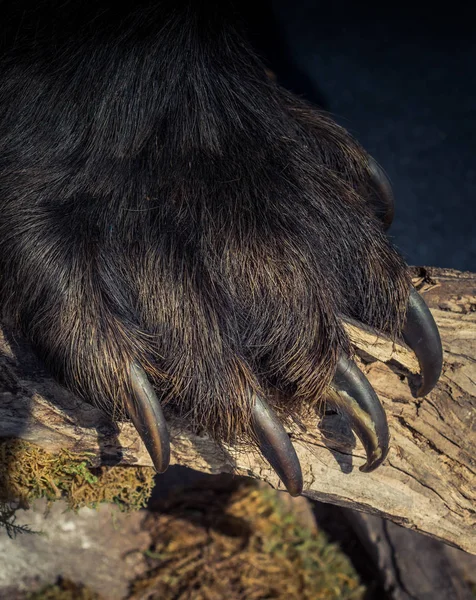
{"type": "Point", "coordinates": [426, 484]}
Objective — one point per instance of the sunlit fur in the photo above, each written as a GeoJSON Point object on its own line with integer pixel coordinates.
{"type": "Point", "coordinates": [162, 200]}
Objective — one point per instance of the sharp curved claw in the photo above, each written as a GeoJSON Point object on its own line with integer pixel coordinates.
{"type": "Point", "coordinates": [421, 334]}
{"type": "Point", "coordinates": [146, 413]}
{"type": "Point", "coordinates": [276, 446]}
{"type": "Point", "coordinates": [384, 201]}
{"type": "Point", "coordinates": [357, 399]}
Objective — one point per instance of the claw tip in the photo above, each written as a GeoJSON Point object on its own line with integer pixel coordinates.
{"type": "Point", "coordinates": [422, 335]}
{"type": "Point", "coordinates": [374, 460]}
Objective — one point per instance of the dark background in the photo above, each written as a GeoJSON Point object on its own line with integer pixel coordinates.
{"type": "Point", "coordinates": [402, 81]}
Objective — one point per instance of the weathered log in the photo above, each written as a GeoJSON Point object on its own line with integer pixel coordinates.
{"type": "Point", "coordinates": [395, 562]}
{"type": "Point", "coordinates": [409, 565]}
{"type": "Point", "coordinates": [427, 483]}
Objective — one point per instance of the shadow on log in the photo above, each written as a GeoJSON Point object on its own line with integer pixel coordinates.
{"type": "Point", "coordinates": [427, 483]}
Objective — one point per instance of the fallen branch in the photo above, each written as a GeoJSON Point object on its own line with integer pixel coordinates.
{"type": "Point", "coordinates": [427, 482]}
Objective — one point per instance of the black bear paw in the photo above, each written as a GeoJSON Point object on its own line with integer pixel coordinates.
{"type": "Point", "coordinates": [182, 237]}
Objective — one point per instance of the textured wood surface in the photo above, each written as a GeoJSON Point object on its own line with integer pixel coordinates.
{"type": "Point", "coordinates": [427, 483]}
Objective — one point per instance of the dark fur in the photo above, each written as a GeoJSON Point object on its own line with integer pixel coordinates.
{"type": "Point", "coordinates": [162, 200]}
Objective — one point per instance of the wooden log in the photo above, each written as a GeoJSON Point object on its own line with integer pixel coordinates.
{"type": "Point", "coordinates": [409, 565]}
{"type": "Point", "coordinates": [427, 482]}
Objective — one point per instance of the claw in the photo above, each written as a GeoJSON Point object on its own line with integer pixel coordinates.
{"type": "Point", "coordinates": [421, 334]}
{"type": "Point", "coordinates": [383, 202]}
{"type": "Point", "coordinates": [357, 399]}
{"type": "Point", "coordinates": [276, 446]}
{"type": "Point", "coordinates": [146, 413]}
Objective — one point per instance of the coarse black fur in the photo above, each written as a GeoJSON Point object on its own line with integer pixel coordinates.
{"type": "Point", "coordinates": [163, 201]}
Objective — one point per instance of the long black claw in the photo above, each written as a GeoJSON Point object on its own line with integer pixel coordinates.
{"type": "Point", "coordinates": [276, 446]}
{"type": "Point", "coordinates": [358, 400]}
{"type": "Point", "coordinates": [421, 334]}
{"type": "Point", "coordinates": [383, 201]}
{"type": "Point", "coordinates": [146, 413]}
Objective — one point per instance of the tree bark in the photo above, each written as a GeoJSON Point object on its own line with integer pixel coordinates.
{"type": "Point", "coordinates": [427, 482]}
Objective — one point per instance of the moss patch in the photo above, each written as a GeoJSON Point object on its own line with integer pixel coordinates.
{"type": "Point", "coordinates": [28, 472]}
{"type": "Point", "coordinates": [240, 544]}
{"type": "Point", "coordinates": [236, 540]}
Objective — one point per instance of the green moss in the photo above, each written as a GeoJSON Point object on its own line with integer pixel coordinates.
{"type": "Point", "coordinates": [324, 568]}
{"type": "Point", "coordinates": [28, 472]}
